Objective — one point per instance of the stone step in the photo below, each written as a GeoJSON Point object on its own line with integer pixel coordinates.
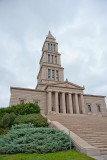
{"type": "Point", "coordinates": [97, 142]}
{"type": "Point", "coordinates": [88, 131]}
{"type": "Point", "coordinates": [92, 129]}
{"type": "Point", "coordinates": [92, 136]}
{"type": "Point", "coordinates": [101, 145]}
{"type": "Point", "coordinates": [103, 152]}
{"type": "Point", "coordinates": [103, 149]}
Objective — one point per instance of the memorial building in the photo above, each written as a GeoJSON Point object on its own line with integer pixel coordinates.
{"type": "Point", "coordinates": [52, 93]}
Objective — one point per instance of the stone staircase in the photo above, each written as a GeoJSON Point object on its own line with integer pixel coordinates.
{"type": "Point", "coordinates": [92, 129]}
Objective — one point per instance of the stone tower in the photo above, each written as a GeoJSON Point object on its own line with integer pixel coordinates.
{"type": "Point", "coordinates": [50, 63]}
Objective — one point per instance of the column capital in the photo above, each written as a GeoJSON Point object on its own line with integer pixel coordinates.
{"type": "Point", "coordinates": [81, 94]}
{"type": "Point", "coordinates": [48, 91]}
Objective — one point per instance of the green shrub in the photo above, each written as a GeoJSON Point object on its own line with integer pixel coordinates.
{"type": "Point", "coordinates": [12, 117]}
{"type": "Point", "coordinates": [3, 130]}
{"type": "Point", "coordinates": [37, 119]}
{"type": "Point", "coordinates": [2, 112]}
{"type": "Point", "coordinates": [28, 139]}
{"type": "Point", "coordinates": [7, 120]}
{"type": "Point", "coordinates": [20, 109]}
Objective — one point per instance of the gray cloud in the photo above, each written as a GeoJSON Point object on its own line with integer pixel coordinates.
{"type": "Point", "coordinates": [80, 28]}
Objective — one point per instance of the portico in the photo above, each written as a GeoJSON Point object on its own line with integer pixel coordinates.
{"type": "Point", "coordinates": [65, 102]}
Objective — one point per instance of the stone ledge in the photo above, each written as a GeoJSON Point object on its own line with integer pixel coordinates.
{"type": "Point", "coordinates": [81, 145]}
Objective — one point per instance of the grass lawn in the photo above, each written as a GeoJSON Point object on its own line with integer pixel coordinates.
{"type": "Point", "coordinates": [69, 155]}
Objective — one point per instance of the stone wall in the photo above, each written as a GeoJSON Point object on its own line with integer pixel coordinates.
{"type": "Point", "coordinates": [28, 95]}
{"type": "Point", "coordinates": [93, 101]}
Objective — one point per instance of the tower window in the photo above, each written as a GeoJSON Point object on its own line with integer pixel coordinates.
{"type": "Point", "coordinates": [48, 46]}
{"type": "Point", "coordinates": [99, 108]}
{"type": "Point", "coordinates": [54, 47]}
{"type": "Point", "coordinates": [52, 74]}
{"type": "Point", "coordinates": [55, 59]}
{"type": "Point", "coordinates": [48, 58]}
{"type": "Point", "coordinates": [57, 77]}
{"type": "Point", "coordinates": [89, 108]}
{"type": "Point", "coordinates": [48, 74]}
{"type": "Point", "coordinates": [51, 47]}
{"type": "Point", "coordinates": [52, 58]}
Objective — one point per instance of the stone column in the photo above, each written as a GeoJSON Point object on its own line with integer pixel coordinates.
{"type": "Point", "coordinates": [82, 103]}
{"type": "Point", "coordinates": [63, 102]}
{"type": "Point", "coordinates": [76, 104]}
{"type": "Point", "coordinates": [70, 103]}
{"type": "Point", "coordinates": [49, 102]}
{"type": "Point", "coordinates": [56, 102]}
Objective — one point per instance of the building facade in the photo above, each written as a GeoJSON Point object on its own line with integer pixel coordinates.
{"type": "Point", "coordinates": [52, 93]}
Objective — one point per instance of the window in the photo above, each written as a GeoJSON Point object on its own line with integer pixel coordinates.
{"type": "Point", "coordinates": [48, 74]}
{"type": "Point", "coordinates": [57, 77]}
{"type": "Point", "coordinates": [89, 108]}
{"type": "Point", "coordinates": [22, 101]}
{"type": "Point", "coordinates": [48, 46]}
{"type": "Point", "coordinates": [54, 47]}
{"type": "Point", "coordinates": [55, 59]}
{"type": "Point", "coordinates": [35, 102]}
{"type": "Point", "coordinates": [52, 74]}
{"type": "Point", "coordinates": [98, 107]}
{"type": "Point", "coordinates": [51, 47]}
{"type": "Point", "coordinates": [52, 58]}
{"type": "Point", "coordinates": [48, 58]}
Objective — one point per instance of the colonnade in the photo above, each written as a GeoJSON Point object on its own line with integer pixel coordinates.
{"type": "Point", "coordinates": [61, 102]}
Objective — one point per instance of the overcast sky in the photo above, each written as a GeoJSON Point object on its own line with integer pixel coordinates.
{"type": "Point", "coordinates": [80, 28]}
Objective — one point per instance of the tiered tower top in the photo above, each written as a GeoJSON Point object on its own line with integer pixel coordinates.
{"type": "Point", "coordinates": [50, 63]}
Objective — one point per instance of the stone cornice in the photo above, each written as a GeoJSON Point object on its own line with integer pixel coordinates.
{"type": "Point", "coordinates": [63, 87]}
{"type": "Point", "coordinates": [50, 41]}
{"type": "Point", "coordinates": [47, 52]}
{"type": "Point", "coordinates": [53, 65]}
{"type": "Point", "coordinates": [89, 95]}
{"type": "Point", "coordinates": [26, 89]}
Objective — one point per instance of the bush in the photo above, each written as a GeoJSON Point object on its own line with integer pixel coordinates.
{"type": "Point", "coordinates": [12, 118]}
{"type": "Point", "coordinates": [2, 112]}
{"type": "Point", "coordinates": [28, 139]}
{"type": "Point", "coordinates": [37, 119]}
{"type": "Point", "coordinates": [3, 130]}
{"type": "Point", "coordinates": [20, 109]}
{"type": "Point", "coordinates": [7, 120]}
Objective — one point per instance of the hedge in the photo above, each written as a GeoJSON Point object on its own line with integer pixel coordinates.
{"type": "Point", "coordinates": [37, 119]}
{"type": "Point", "coordinates": [28, 139]}
{"type": "Point", "coordinates": [20, 109]}
{"type": "Point", "coordinates": [7, 120]}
